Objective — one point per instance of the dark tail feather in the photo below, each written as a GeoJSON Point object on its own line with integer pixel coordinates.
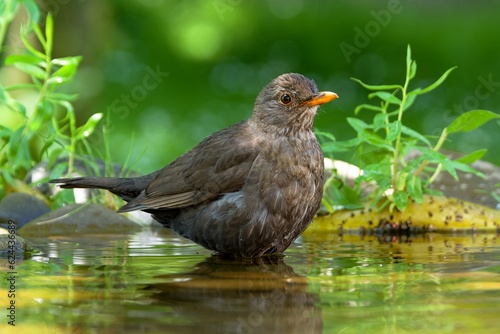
{"type": "Point", "coordinates": [86, 182]}
{"type": "Point", "coordinates": [126, 188]}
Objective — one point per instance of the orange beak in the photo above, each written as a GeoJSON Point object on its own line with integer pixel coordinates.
{"type": "Point", "coordinates": [320, 98]}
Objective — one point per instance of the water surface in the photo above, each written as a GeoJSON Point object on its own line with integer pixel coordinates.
{"type": "Point", "coordinates": [157, 282]}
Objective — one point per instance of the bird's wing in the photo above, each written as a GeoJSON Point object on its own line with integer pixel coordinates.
{"type": "Point", "coordinates": [217, 165]}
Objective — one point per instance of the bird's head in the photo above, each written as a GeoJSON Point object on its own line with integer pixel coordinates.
{"type": "Point", "coordinates": [289, 103]}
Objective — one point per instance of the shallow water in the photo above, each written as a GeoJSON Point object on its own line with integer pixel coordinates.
{"type": "Point", "coordinates": [156, 282]}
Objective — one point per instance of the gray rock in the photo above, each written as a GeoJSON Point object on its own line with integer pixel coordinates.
{"type": "Point", "coordinates": [79, 219]}
{"type": "Point", "coordinates": [21, 208]}
{"type": "Point", "coordinates": [15, 248]}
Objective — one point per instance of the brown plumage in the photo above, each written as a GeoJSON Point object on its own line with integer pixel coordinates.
{"type": "Point", "coordinates": [244, 191]}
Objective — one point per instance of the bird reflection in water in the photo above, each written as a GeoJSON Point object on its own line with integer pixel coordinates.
{"type": "Point", "coordinates": [219, 295]}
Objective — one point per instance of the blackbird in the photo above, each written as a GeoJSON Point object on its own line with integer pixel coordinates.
{"type": "Point", "coordinates": [245, 191]}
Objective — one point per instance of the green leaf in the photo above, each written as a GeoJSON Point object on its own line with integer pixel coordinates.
{"type": "Point", "coordinates": [465, 168]}
{"type": "Point", "coordinates": [21, 86]}
{"type": "Point", "coordinates": [379, 172]}
{"type": "Point", "coordinates": [380, 121]}
{"type": "Point", "coordinates": [471, 157]}
{"type": "Point", "coordinates": [66, 105]}
{"type": "Point", "coordinates": [48, 143]}
{"type": "Point", "coordinates": [32, 70]}
{"type": "Point", "coordinates": [39, 35]}
{"type": "Point", "coordinates": [408, 59]}
{"type": "Point", "coordinates": [54, 155]}
{"type": "Point", "coordinates": [414, 134]}
{"type": "Point", "coordinates": [58, 169]}
{"type": "Point", "coordinates": [413, 70]}
{"type": "Point", "coordinates": [448, 166]}
{"type": "Point", "coordinates": [31, 48]}
{"type": "Point", "coordinates": [368, 154]}
{"type": "Point", "coordinates": [18, 107]}
{"type": "Point", "coordinates": [377, 87]}
{"type": "Point", "coordinates": [357, 124]}
{"type": "Point", "coordinates": [89, 127]}
{"type": "Point", "coordinates": [65, 72]}
{"type": "Point", "coordinates": [327, 135]}
{"type": "Point", "coordinates": [67, 61]}
{"type": "Point", "coordinates": [385, 96]}
{"type": "Point", "coordinates": [434, 85]}
{"type": "Point", "coordinates": [409, 101]}
{"type": "Point", "coordinates": [25, 59]}
{"type": "Point", "coordinates": [367, 107]}
{"type": "Point", "coordinates": [56, 80]}
{"type": "Point", "coordinates": [414, 188]}
{"type": "Point", "coordinates": [338, 193]}
{"type": "Point", "coordinates": [452, 165]}
{"type": "Point", "coordinates": [394, 131]}
{"type": "Point", "coordinates": [49, 31]}
{"type": "Point", "coordinates": [17, 140]}
{"type": "Point", "coordinates": [377, 141]}
{"type": "Point", "coordinates": [471, 120]}
{"type": "Point", "coordinates": [401, 200]}
{"type": "Point", "coordinates": [5, 133]}
{"type": "Point", "coordinates": [62, 96]}
{"type": "Point", "coordinates": [431, 155]}
{"type": "Point", "coordinates": [341, 146]}
{"type": "Point", "coordinates": [68, 69]}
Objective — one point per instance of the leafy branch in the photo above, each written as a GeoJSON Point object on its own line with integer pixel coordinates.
{"type": "Point", "coordinates": [42, 132]}
{"type": "Point", "coordinates": [382, 146]}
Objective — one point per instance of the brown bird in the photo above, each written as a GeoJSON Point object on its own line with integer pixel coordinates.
{"type": "Point", "coordinates": [248, 190]}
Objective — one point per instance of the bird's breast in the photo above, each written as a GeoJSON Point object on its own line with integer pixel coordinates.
{"type": "Point", "coordinates": [288, 176]}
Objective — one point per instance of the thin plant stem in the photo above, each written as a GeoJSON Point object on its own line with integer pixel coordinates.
{"type": "Point", "coordinates": [436, 148]}
{"type": "Point", "coordinates": [436, 173]}
{"type": "Point", "coordinates": [397, 148]}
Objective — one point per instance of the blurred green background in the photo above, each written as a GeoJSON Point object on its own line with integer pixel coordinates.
{"type": "Point", "coordinates": [219, 53]}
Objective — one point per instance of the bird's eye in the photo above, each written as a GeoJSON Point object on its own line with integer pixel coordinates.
{"type": "Point", "coordinates": [285, 99]}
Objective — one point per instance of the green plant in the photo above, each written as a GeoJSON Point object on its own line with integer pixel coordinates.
{"type": "Point", "coordinates": [47, 128]}
{"type": "Point", "coordinates": [381, 147]}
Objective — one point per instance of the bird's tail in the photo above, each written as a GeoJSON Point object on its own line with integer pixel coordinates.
{"type": "Point", "coordinates": [85, 182]}
{"type": "Point", "coordinates": [126, 188]}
